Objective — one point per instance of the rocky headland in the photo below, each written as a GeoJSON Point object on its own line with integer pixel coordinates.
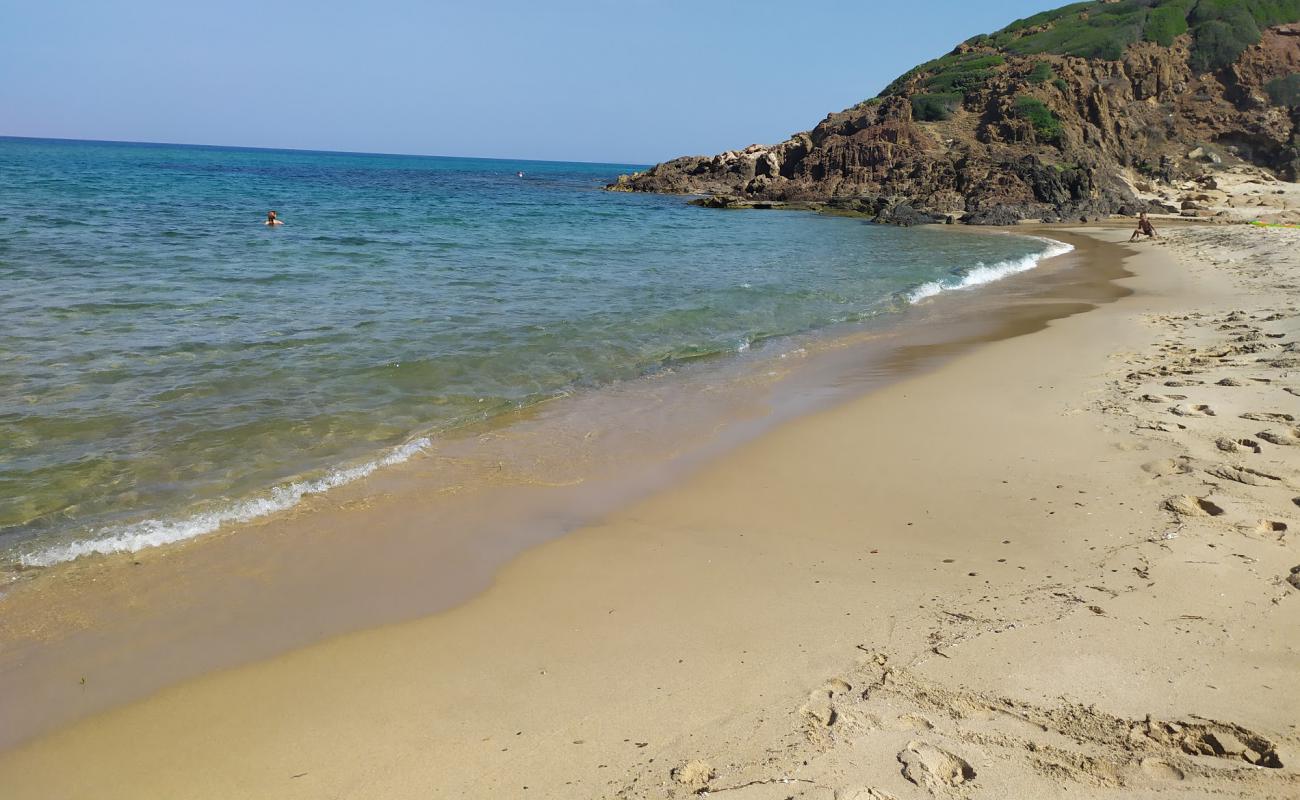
{"type": "Point", "coordinates": [1093, 109]}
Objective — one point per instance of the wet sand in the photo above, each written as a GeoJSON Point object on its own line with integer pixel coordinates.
{"type": "Point", "coordinates": [962, 580]}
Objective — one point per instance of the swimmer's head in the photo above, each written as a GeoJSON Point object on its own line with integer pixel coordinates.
{"type": "Point", "coordinates": [270, 215]}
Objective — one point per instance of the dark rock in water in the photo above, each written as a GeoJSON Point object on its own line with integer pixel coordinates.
{"type": "Point", "coordinates": [718, 201]}
{"type": "Point", "coordinates": [990, 136]}
{"type": "Point", "coordinates": [906, 215]}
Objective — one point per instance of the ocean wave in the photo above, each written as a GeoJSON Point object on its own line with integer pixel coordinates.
{"type": "Point", "coordinates": [981, 274]}
{"type": "Point", "coordinates": [154, 533]}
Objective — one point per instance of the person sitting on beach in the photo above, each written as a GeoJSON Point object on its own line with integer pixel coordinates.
{"type": "Point", "coordinates": [271, 221]}
{"type": "Point", "coordinates": [1144, 228]}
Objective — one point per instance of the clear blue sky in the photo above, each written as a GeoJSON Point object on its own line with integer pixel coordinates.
{"type": "Point", "coordinates": [604, 80]}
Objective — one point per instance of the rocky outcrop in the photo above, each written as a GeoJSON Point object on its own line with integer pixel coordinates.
{"type": "Point", "coordinates": [1042, 136]}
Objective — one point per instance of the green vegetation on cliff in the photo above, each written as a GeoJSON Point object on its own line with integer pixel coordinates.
{"type": "Point", "coordinates": [1218, 32]}
{"type": "Point", "coordinates": [1088, 30]}
{"type": "Point", "coordinates": [934, 107]}
{"type": "Point", "coordinates": [959, 72]}
{"type": "Point", "coordinates": [1041, 73]}
{"type": "Point", "coordinates": [1047, 127]}
{"type": "Point", "coordinates": [1105, 30]}
{"type": "Point", "coordinates": [1167, 21]}
{"type": "Point", "coordinates": [1284, 91]}
{"type": "Point", "coordinates": [963, 73]}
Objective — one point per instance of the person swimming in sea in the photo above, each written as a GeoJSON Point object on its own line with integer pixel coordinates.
{"type": "Point", "coordinates": [1144, 228]}
{"type": "Point", "coordinates": [271, 220]}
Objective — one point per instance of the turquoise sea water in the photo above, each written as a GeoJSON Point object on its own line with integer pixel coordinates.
{"type": "Point", "coordinates": [169, 364]}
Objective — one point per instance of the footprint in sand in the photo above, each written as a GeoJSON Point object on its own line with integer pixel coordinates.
{"type": "Point", "coordinates": [1287, 437]}
{"type": "Point", "coordinates": [1199, 410]}
{"type": "Point", "coordinates": [1163, 427]}
{"type": "Point", "coordinates": [1294, 577]}
{"type": "Point", "coordinates": [1246, 475]}
{"type": "Point", "coordinates": [1238, 445]}
{"type": "Point", "coordinates": [1166, 466]}
{"type": "Point", "coordinates": [1266, 527]}
{"type": "Point", "coordinates": [694, 775]}
{"type": "Point", "coordinates": [913, 722]}
{"type": "Point", "coordinates": [1187, 505]}
{"type": "Point", "coordinates": [1260, 416]}
{"type": "Point", "coordinates": [819, 710]}
{"type": "Point", "coordinates": [1162, 398]}
{"type": "Point", "coordinates": [934, 768]}
{"type": "Point", "coordinates": [1161, 770]}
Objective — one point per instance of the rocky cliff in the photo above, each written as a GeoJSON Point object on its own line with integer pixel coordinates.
{"type": "Point", "coordinates": [1056, 116]}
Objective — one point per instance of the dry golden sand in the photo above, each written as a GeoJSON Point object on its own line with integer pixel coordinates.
{"type": "Point", "coordinates": [1056, 566]}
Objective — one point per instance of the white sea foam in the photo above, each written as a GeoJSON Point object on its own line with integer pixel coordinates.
{"type": "Point", "coordinates": [153, 533]}
{"type": "Point", "coordinates": [981, 274]}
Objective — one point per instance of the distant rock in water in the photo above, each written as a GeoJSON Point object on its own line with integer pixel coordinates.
{"type": "Point", "coordinates": [1056, 117]}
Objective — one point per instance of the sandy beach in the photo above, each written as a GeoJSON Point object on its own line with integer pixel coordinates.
{"type": "Point", "coordinates": [1058, 564]}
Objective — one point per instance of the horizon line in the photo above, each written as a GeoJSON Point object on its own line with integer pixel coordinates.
{"type": "Point", "coordinates": [314, 151]}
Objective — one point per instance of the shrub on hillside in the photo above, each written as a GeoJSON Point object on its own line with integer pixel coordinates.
{"type": "Point", "coordinates": [1047, 127]}
{"type": "Point", "coordinates": [955, 72]}
{"type": "Point", "coordinates": [961, 75]}
{"type": "Point", "coordinates": [1225, 28]}
{"type": "Point", "coordinates": [1167, 22]}
{"type": "Point", "coordinates": [1219, 43]}
{"type": "Point", "coordinates": [934, 107]}
{"type": "Point", "coordinates": [1284, 91]}
{"type": "Point", "coordinates": [1041, 73]}
{"type": "Point", "coordinates": [1088, 30]}
{"type": "Point", "coordinates": [1264, 12]}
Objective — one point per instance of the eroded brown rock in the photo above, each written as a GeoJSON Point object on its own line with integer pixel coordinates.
{"type": "Point", "coordinates": [987, 164]}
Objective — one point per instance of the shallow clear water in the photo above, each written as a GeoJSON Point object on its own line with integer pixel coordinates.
{"type": "Point", "coordinates": [168, 363]}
